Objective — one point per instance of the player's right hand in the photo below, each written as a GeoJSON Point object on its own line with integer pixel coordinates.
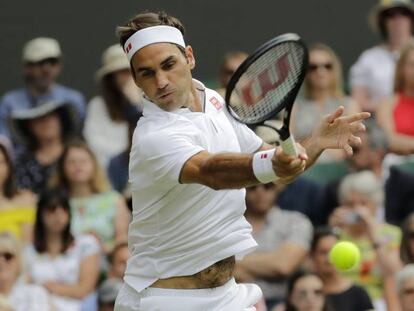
{"type": "Point", "coordinates": [288, 167]}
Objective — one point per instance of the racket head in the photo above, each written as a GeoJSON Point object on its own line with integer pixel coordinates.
{"type": "Point", "coordinates": [268, 81]}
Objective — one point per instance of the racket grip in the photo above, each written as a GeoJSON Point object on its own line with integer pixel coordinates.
{"type": "Point", "coordinates": [289, 146]}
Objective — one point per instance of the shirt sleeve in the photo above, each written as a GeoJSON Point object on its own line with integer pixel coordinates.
{"type": "Point", "coordinates": [88, 245]}
{"type": "Point", "coordinates": [158, 157]}
{"type": "Point", "coordinates": [359, 74]}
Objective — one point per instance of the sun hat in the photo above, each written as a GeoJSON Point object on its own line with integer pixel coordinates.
{"type": "Point", "coordinates": [113, 59]}
{"type": "Point", "coordinates": [68, 115]}
{"type": "Point", "coordinates": [39, 49]}
{"type": "Point", "coordinates": [384, 5]}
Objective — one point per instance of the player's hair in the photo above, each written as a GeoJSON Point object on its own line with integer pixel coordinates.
{"type": "Point", "coordinates": [337, 85]}
{"type": "Point", "coordinates": [399, 80]}
{"type": "Point", "coordinates": [145, 20]}
{"type": "Point", "coordinates": [99, 180]}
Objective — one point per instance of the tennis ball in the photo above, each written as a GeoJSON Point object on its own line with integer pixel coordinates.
{"type": "Point", "coordinates": [344, 255]}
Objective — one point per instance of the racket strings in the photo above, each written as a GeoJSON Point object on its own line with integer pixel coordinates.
{"type": "Point", "coordinates": [267, 83]}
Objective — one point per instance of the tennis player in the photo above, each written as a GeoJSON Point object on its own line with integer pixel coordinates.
{"type": "Point", "coordinates": [189, 164]}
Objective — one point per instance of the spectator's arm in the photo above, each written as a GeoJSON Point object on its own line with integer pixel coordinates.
{"type": "Point", "coordinates": [88, 276]}
{"type": "Point", "coordinates": [122, 219]}
{"type": "Point", "coordinates": [398, 143]}
{"type": "Point", "coordinates": [281, 262]}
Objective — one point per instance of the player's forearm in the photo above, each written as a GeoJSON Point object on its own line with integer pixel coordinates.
{"type": "Point", "coordinates": [228, 171]}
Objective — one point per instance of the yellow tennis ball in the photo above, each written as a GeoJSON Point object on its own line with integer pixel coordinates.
{"type": "Point", "coordinates": [344, 255]}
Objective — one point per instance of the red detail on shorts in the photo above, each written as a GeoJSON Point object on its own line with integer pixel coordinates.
{"type": "Point", "coordinates": [128, 48]}
{"type": "Point", "coordinates": [263, 156]}
{"type": "Point", "coordinates": [216, 103]}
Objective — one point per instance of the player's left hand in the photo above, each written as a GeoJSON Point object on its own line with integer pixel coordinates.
{"type": "Point", "coordinates": [340, 132]}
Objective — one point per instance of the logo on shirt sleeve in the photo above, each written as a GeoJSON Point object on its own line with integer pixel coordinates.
{"type": "Point", "coordinates": [216, 103]}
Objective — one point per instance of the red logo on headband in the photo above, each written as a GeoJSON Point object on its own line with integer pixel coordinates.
{"type": "Point", "coordinates": [128, 48]}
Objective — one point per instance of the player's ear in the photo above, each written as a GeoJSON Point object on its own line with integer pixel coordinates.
{"type": "Point", "coordinates": [190, 56]}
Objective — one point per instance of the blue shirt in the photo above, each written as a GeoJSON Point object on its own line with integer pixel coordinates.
{"type": "Point", "coordinates": [21, 99]}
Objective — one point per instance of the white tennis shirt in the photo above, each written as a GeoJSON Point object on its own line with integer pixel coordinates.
{"type": "Point", "coordinates": [181, 229]}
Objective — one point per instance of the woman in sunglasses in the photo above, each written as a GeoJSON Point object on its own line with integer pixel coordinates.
{"type": "Point", "coordinates": [21, 296]}
{"type": "Point", "coordinates": [322, 94]}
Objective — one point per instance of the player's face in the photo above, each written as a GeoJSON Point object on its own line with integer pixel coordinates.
{"type": "Point", "coordinates": [163, 72]}
{"type": "Point", "coordinates": [321, 255]}
{"type": "Point", "coordinates": [307, 294]}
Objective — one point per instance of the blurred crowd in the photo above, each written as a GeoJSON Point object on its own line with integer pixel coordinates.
{"type": "Point", "coordinates": [65, 202]}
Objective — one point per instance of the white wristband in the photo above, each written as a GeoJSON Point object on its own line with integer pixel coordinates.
{"type": "Point", "coordinates": [262, 166]}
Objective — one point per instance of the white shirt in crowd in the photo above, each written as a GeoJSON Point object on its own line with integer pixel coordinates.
{"type": "Point", "coordinates": [65, 268]}
{"type": "Point", "coordinates": [181, 229]}
{"type": "Point", "coordinates": [375, 70]}
{"type": "Point", "coordinates": [31, 297]}
{"type": "Point", "coordinates": [105, 137]}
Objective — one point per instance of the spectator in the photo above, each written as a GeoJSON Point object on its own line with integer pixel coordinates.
{"type": "Point", "coordinates": [405, 287]}
{"type": "Point", "coordinates": [17, 211]}
{"type": "Point", "coordinates": [43, 131]}
{"type": "Point", "coordinates": [107, 293]}
{"type": "Point", "coordinates": [341, 293]}
{"type": "Point", "coordinates": [396, 116]}
{"type": "Point", "coordinates": [283, 238]}
{"type": "Point", "coordinates": [360, 194]}
{"type": "Point", "coordinates": [20, 296]}
{"type": "Point", "coordinates": [371, 77]}
{"type": "Point", "coordinates": [109, 115]}
{"type": "Point", "coordinates": [65, 265]}
{"type": "Point", "coordinates": [323, 94]}
{"type": "Point", "coordinates": [231, 62]}
{"type": "Point", "coordinates": [118, 260]}
{"type": "Point", "coordinates": [42, 65]}
{"type": "Point", "coordinates": [95, 208]}
{"type": "Point", "coordinates": [407, 240]}
{"type": "Point", "coordinates": [305, 292]}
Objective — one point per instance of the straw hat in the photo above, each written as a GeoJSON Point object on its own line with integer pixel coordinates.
{"type": "Point", "coordinates": [267, 133]}
{"type": "Point", "coordinates": [68, 115]}
{"type": "Point", "coordinates": [384, 5]}
{"type": "Point", "coordinates": [40, 49]}
{"type": "Point", "coordinates": [113, 59]}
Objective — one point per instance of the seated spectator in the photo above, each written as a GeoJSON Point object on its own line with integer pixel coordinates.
{"type": "Point", "coordinates": [360, 195]}
{"type": "Point", "coordinates": [396, 116]}
{"type": "Point", "coordinates": [283, 239]}
{"type": "Point", "coordinates": [43, 131]}
{"type": "Point", "coordinates": [341, 293]}
{"type": "Point", "coordinates": [107, 293]}
{"type": "Point", "coordinates": [371, 77]}
{"type": "Point", "coordinates": [305, 292]}
{"type": "Point", "coordinates": [407, 240]}
{"type": "Point", "coordinates": [17, 212]}
{"type": "Point", "coordinates": [42, 65]}
{"type": "Point", "coordinates": [228, 67]}
{"type": "Point", "coordinates": [323, 94]}
{"type": "Point", "coordinates": [405, 287]}
{"type": "Point", "coordinates": [118, 260]}
{"type": "Point", "coordinates": [110, 114]}
{"type": "Point", "coordinates": [65, 265]}
{"type": "Point", "coordinates": [95, 208]}
{"type": "Point", "coordinates": [18, 294]}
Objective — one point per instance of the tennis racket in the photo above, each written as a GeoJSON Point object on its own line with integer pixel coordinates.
{"type": "Point", "coordinates": [267, 82]}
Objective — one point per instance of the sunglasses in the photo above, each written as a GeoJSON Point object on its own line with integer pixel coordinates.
{"type": "Point", "coordinates": [314, 67]}
{"type": "Point", "coordinates": [267, 186]}
{"type": "Point", "coordinates": [7, 256]}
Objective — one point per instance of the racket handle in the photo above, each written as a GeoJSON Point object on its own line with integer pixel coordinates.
{"type": "Point", "coordinates": [289, 146]}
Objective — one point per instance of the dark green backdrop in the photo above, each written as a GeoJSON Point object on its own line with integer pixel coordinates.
{"type": "Point", "coordinates": [85, 28]}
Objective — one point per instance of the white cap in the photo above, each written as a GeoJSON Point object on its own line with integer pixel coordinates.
{"type": "Point", "coordinates": [39, 49]}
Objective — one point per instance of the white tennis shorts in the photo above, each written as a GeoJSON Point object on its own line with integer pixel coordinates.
{"type": "Point", "coordinates": [228, 297]}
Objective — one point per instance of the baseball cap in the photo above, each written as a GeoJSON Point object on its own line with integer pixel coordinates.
{"type": "Point", "coordinates": [39, 49]}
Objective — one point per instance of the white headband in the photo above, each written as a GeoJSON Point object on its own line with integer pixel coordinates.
{"type": "Point", "coordinates": [150, 35]}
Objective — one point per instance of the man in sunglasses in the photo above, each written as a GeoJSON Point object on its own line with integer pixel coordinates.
{"type": "Point", "coordinates": [372, 76]}
{"type": "Point", "coordinates": [42, 65]}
